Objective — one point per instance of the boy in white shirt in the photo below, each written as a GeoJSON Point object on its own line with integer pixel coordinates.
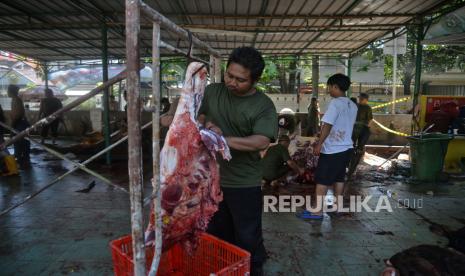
{"type": "Point", "coordinates": [335, 145]}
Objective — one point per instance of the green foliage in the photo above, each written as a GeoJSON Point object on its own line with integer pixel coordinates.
{"type": "Point", "coordinates": [436, 59]}
{"type": "Point", "coordinates": [13, 78]}
{"type": "Point", "coordinates": [269, 74]}
{"type": "Point", "coordinates": [30, 85]}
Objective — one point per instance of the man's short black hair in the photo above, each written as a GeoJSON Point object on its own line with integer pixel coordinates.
{"type": "Point", "coordinates": [364, 96]}
{"type": "Point", "coordinates": [342, 81]}
{"type": "Point", "coordinates": [48, 91]}
{"type": "Point", "coordinates": [249, 58]}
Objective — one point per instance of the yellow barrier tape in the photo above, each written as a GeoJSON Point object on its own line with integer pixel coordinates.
{"type": "Point", "coordinates": [390, 130]}
{"type": "Point", "coordinates": [389, 103]}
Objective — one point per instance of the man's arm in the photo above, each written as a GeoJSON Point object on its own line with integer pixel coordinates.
{"type": "Point", "coordinates": [17, 111]}
{"type": "Point", "coordinates": [325, 130]}
{"type": "Point", "coordinates": [370, 116]}
{"type": "Point", "coordinates": [249, 143]}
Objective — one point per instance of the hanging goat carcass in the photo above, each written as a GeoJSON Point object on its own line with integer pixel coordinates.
{"type": "Point", "coordinates": [189, 175]}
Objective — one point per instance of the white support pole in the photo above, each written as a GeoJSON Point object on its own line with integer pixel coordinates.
{"type": "Point", "coordinates": [156, 148]}
{"type": "Point", "coordinates": [134, 135]}
{"type": "Point", "coordinates": [217, 69]}
{"type": "Point", "coordinates": [212, 69]}
{"type": "Point", "coordinates": [394, 77]}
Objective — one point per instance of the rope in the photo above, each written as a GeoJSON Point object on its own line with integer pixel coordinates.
{"type": "Point", "coordinates": [390, 130]}
{"type": "Point", "coordinates": [389, 103]}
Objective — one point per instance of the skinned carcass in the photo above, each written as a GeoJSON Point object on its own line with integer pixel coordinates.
{"type": "Point", "coordinates": [189, 174]}
{"type": "Point", "coordinates": [301, 151]}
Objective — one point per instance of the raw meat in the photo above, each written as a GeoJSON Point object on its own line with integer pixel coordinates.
{"type": "Point", "coordinates": [189, 174]}
{"type": "Point", "coordinates": [301, 151]}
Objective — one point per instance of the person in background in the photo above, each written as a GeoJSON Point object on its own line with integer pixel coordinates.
{"type": "Point", "coordinates": [7, 162]}
{"type": "Point", "coordinates": [112, 103]}
{"type": "Point", "coordinates": [335, 145]}
{"type": "Point", "coordinates": [354, 100]}
{"type": "Point", "coordinates": [125, 97]}
{"type": "Point", "coordinates": [277, 162]}
{"type": "Point", "coordinates": [459, 122]}
{"type": "Point", "coordinates": [287, 123]}
{"type": "Point", "coordinates": [19, 123]}
{"type": "Point", "coordinates": [164, 105]}
{"type": "Point", "coordinates": [313, 118]}
{"type": "Point", "coordinates": [248, 120]}
{"type": "Point", "coordinates": [49, 105]}
{"type": "Point", "coordinates": [361, 131]}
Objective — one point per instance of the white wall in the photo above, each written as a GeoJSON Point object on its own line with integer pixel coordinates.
{"type": "Point", "coordinates": [330, 66]}
{"type": "Point", "coordinates": [290, 101]}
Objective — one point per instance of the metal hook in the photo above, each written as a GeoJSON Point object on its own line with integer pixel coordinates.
{"type": "Point", "coordinates": [198, 70]}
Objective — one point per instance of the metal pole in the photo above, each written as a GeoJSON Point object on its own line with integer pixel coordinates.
{"type": "Point", "coordinates": [179, 51]}
{"type": "Point", "coordinates": [394, 78]}
{"type": "Point", "coordinates": [217, 70]}
{"type": "Point", "coordinates": [49, 119]}
{"type": "Point", "coordinates": [120, 94]}
{"type": "Point", "coordinates": [349, 74]}
{"type": "Point", "coordinates": [134, 134]}
{"type": "Point", "coordinates": [46, 74]}
{"type": "Point", "coordinates": [212, 69]}
{"type": "Point", "coordinates": [315, 75]}
{"type": "Point", "coordinates": [167, 24]}
{"type": "Point", "coordinates": [298, 90]}
{"type": "Point", "coordinates": [95, 156]}
{"type": "Point", "coordinates": [156, 148]}
{"type": "Point", "coordinates": [106, 98]}
{"type": "Point", "coordinates": [418, 64]}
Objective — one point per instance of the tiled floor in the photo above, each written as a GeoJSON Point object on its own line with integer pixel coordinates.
{"type": "Point", "coordinates": [62, 232]}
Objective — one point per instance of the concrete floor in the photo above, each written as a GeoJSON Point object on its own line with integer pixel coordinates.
{"type": "Point", "coordinates": [64, 232]}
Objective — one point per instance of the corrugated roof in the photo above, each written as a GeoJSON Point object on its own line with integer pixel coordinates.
{"type": "Point", "coordinates": [71, 29]}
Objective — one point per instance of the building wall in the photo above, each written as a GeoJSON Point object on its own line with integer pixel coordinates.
{"type": "Point", "coordinates": [290, 101]}
{"type": "Point", "coordinates": [398, 122]}
{"type": "Point", "coordinates": [79, 122]}
{"type": "Point", "coordinates": [330, 66]}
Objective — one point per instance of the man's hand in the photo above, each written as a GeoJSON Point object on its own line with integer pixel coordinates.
{"type": "Point", "coordinates": [317, 149]}
{"type": "Point", "coordinates": [211, 126]}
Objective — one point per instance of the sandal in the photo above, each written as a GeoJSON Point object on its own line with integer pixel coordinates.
{"type": "Point", "coordinates": [308, 215]}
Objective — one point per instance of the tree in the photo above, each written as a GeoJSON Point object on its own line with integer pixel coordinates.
{"type": "Point", "coordinates": [436, 59]}
{"type": "Point", "coordinates": [270, 73]}
{"type": "Point", "coordinates": [285, 69]}
{"type": "Point", "coordinates": [287, 73]}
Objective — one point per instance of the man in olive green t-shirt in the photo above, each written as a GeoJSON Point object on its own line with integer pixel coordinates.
{"type": "Point", "coordinates": [277, 162]}
{"type": "Point", "coordinates": [248, 120]}
{"type": "Point", "coordinates": [361, 131]}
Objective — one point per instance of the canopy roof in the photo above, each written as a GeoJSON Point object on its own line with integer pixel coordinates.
{"type": "Point", "coordinates": [449, 30]}
{"type": "Point", "coordinates": [51, 30]}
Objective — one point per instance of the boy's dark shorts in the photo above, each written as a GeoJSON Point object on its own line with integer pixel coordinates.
{"type": "Point", "coordinates": [332, 167]}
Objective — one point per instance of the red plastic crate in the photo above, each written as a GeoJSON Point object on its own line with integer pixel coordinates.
{"type": "Point", "coordinates": [212, 256]}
